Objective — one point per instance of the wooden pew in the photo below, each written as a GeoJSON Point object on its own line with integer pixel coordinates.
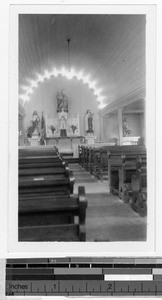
{"type": "Point", "coordinates": [51, 218]}
{"type": "Point", "coordinates": [139, 187]}
{"type": "Point", "coordinates": [45, 186]}
{"type": "Point", "coordinates": [123, 163]}
{"type": "Point", "coordinates": [101, 157]}
{"type": "Point", "coordinates": [38, 150]}
{"type": "Point", "coordinates": [127, 173]}
{"type": "Point", "coordinates": [80, 154]}
{"type": "Point", "coordinates": [132, 162]}
{"type": "Point", "coordinates": [120, 163]}
{"type": "Point", "coordinates": [45, 173]}
{"type": "Point", "coordinates": [92, 159]}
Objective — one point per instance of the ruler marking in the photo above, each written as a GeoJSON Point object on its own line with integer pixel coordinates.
{"type": "Point", "coordinates": [155, 290]}
{"type": "Point", "coordinates": [141, 287]}
{"type": "Point", "coordinates": [138, 287]}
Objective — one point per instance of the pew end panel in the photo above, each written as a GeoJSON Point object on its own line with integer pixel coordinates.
{"type": "Point", "coordinates": [82, 212]}
{"type": "Point", "coordinates": [139, 195]}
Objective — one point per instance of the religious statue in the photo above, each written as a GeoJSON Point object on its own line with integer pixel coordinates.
{"type": "Point", "coordinates": [62, 110]}
{"type": "Point", "coordinates": [63, 122]}
{"type": "Point", "coordinates": [89, 121]}
{"type": "Point", "coordinates": [63, 125]}
{"type": "Point", "coordinates": [42, 131]}
{"type": "Point", "coordinates": [62, 102]}
{"type": "Point", "coordinates": [126, 131]}
{"type": "Point", "coordinates": [35, 120]}
{"type": "Point", "coordinates": [34, 128]}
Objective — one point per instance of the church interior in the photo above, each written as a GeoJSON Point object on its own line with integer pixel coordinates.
{"type": "Point", "coordinates": [82, 127]}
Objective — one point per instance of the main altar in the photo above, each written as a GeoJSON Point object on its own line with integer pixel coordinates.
{"type": "Point", "coordinates": [58, 127]}
{"type": "Point", "coordinates": [62, 130]}
{"type": "Point", "coordinates": [61, 125]}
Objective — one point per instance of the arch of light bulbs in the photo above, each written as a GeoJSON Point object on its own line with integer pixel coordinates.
{"type": "Point", "coordinates": [28, 90]}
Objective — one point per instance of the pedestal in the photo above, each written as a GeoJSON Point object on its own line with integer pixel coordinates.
{"type": "Point", "coordinates": [90, 139]}
{"type": "Point", "coordinates": [35, 140]}
{"type": "Point", "coordinates": [130, 140]}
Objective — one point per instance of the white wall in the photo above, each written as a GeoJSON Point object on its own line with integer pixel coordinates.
{"type": "Point", "coordinates": [110, 128]}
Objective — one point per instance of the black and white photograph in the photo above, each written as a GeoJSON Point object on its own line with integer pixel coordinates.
{"type": "Point", "coordinates": [82, 154]}
{"type": "Point", "coordinates": [82, 133]}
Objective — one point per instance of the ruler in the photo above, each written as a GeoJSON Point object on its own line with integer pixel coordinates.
{"type": "Point", "coordinates": [84, 276]}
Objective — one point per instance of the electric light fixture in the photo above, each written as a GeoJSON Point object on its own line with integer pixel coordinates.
{"type": "Point", "coordinates": [28, 90]}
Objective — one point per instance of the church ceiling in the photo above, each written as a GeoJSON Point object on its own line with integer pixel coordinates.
{"type": "Point", "coordinates": [108, 48]}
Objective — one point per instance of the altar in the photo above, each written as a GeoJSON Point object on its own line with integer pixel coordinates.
{"type": "Point", "coordinates": [60, 128]}
{"type": "Point", "coordinates": [90, 139]}
{"type": "Point", "coordinates": [66, 144]}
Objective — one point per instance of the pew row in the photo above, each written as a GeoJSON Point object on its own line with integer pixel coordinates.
{"type": "Point", "coordinates": [44, 172]}
{"type": "Point", "coordinates": [47, 209]}
{"type": "Point", "coordinates": [139, 189]}
{"type": "Point", "coordinates": [94, 158]}
{"type": "Point", "coordinates": [121, 163]}
{"type": "Point", "coordinates": [127, 177]}
{"type": "Point", "coordinates": [51, 218]}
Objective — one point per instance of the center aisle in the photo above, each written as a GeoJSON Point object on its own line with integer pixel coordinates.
{"type": "Point", "coordinates": [107, 218]}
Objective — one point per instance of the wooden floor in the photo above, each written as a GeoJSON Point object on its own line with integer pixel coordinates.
{"type": "Point", "coordinates": [108, 218]}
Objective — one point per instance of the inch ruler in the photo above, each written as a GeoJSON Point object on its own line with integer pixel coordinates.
{"type": "Point", "coordinates": [84, 276]}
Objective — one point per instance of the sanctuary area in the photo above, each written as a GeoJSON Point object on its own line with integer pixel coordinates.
{"type": "Point", "coordinates": [82, 128]}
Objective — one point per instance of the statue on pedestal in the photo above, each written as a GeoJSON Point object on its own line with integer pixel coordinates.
{"type": "Point", "coordinates": [89, 122]}
{"type": "Point", "coordinates": [62, 110]}
{"type": "Point", "coordinates": [34, 128]}
{"type": "Point", "coordinates": [33, 131]}
{"type": "Point", "coordinates": [62, 102]}
{"type": "Point", "coordinates": [126, 131]}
